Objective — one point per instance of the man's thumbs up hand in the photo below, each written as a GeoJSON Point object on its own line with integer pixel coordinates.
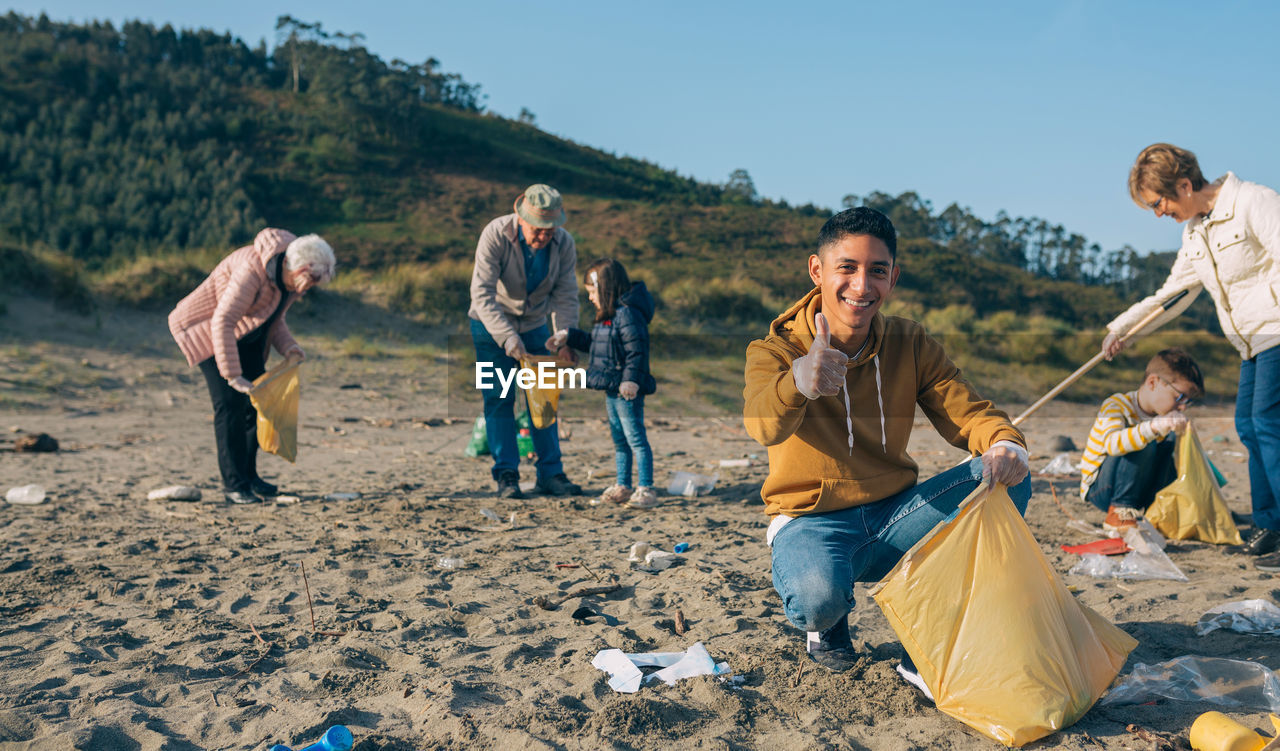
{"type": "Point", "coordinates": [822, 371]}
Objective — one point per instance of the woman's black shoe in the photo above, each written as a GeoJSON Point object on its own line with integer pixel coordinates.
{"type": "Point", "coordinates": [241, 497]}
{"type": "Point", "coordinates": [261, 487]}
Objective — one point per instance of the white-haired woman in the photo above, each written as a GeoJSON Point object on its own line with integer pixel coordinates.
{"type": "Point", "coordinates": [226, 326]}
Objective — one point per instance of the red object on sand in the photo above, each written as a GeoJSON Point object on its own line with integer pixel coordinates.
{"type": "Point", "coordinates": [1109, 546]}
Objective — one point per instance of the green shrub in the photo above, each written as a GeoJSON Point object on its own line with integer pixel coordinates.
{"type": "Point", "coordinates": [151, 282]}
{"type": "Point", "coordinates": [47, 274]}
{"type": "Point", "coordinates": [437, 293]}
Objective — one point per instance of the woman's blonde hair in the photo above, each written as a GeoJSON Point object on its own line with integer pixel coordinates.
{"type": "Point", "coordinates": [1159, 168]}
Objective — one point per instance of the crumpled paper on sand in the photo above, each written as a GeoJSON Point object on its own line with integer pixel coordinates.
{"type": "Point", "coordinates": [624, 669]}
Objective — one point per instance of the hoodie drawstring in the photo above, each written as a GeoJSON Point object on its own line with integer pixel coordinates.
{"type": "Point", "coordinates": [848, 412]}
{"type": "Point", "coordinates": [884, 437]}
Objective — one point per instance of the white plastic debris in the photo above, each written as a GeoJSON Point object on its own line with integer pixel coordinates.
{"type": "Point", "coordinates": [500, 526]}
{"type": "Point", "coordinates": [647, 557]}
{"type": "Point", "coordinates": [25, 495]}
{"type": "Point", "coordinates": [689, 484]}
{"type": "Point", "coordinates": [1246, 617]}
{"type": "Point", "coordinates": [1060, 465]}
{"type": "Point", "coordinates": [735, 462]}
{"type": "Point", "coordinates": [625, 675]}
{"type": "Point", "coordinates": [1202, 680]}
{"type": "Point", "coordinates": [1080, 525]}
{"type": "Point", "coordinates": [175, 493]}
{"type": "Point", "coordinates": [342, 496]}
{"type": "Point", "coordinates": [1146, 558]}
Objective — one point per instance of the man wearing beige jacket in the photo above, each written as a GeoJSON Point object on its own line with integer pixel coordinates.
{"type": "Point", "coordinates": [524, 272]}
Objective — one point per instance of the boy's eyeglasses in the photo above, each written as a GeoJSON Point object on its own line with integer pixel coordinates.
{"type": "Point", "coordinates": [1181, 397]}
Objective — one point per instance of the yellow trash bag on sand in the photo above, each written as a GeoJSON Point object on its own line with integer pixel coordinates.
{"type": "Point", "coordinates": [1191, 507]}
{"type": "Point", "coordinates": [542, 401]}
{"type": "Point", "coordinates": [275, 396]}
{"type": "Point", "coordinates": [997, 638]}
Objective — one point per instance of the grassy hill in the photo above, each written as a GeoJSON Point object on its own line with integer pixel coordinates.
{"type": "Point", "coordinates": [132, 159]}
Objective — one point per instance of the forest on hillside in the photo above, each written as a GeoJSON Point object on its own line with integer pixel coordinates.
{"type": "Point", "coordinates": [146, 151]}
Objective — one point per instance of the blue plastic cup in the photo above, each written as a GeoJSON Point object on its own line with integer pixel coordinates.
{"type": "Point", "coordinates": [336, 738]}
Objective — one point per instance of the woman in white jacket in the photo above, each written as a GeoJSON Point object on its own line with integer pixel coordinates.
{"type": "Point", "coordinates": [1230, 248]}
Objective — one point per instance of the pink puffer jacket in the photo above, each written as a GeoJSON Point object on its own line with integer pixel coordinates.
{"type": "Point", "coordinates": [237, 298]}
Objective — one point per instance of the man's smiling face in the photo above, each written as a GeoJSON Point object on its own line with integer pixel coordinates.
{"type": "Point", "coordinates": [856, 275]}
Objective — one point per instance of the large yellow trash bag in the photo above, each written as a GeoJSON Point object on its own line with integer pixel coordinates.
{"type": "Point", "coordinates": [542, 401]}
{"type": "Point", "coordinates": [275, 396]}
{"type": "Point", "coordinates": [1191, 507]}
{"type": "Point", "coordinates": [996, 636]}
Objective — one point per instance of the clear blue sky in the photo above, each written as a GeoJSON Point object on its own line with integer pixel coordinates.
{"type": "Point", "coordinates": [1034, 108]}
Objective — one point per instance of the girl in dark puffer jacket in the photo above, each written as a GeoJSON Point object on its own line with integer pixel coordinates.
{"type": "Point", "coordinates": [619, 348]}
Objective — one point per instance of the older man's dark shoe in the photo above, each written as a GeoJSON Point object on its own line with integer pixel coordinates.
{"type": "Point", "coordinates": [509, 485]}
{"type": "Point", "coordinates": [241, 497]}
{"type": "Point", "coordinates": [1262, 542]}
{"type": "Point", "coordinates": [1268, 563]}
{"type": "Point", "coordinates": [557, 485]}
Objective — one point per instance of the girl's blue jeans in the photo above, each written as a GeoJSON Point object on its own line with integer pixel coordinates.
{"type": "Point", "coordinates": [630, 442]}
{"type": "Point", "coordinates": [1258, 423]}
{"type": "Point", "coordinates": [818, 557]}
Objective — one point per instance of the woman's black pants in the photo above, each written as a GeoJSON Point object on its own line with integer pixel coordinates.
{"type": "Point", "coordinates": [235, 421]}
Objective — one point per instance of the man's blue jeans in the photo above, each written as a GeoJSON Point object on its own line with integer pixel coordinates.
{"type": "Point", "coordinates": [1258, 423]}
{"type": "Point", "coordinates": [499, 413]}
{"type": "Point", "coordinates": [626, 425]}
{"type": "Point", "coordinates": [817, 558]}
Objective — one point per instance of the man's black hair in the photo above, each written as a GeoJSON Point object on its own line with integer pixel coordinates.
{"type": "Point", "coordinates": [859, 221]}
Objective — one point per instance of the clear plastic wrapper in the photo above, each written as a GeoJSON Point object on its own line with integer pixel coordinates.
{"type": "Point", "coordinates": [1146, 560]}
{"type": "Point", "coordinates": [689, 484]}
{"type": "Point", "coordinates": [1208, 680]}
{"type": "Point", "coordinates": [1246, 617]}
{"type": "Point", "coordinates": [1060, 464]}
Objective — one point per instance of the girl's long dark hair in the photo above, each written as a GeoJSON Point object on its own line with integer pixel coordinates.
{"type": "Point", "coordinates": [611, 284]}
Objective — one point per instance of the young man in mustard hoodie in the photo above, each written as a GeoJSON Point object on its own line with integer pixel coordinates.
{"type": "Point", "coordinates": [832, 392]}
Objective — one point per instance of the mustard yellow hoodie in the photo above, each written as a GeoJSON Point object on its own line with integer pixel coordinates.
{"type": "Point", "coordinates": [812, 466]}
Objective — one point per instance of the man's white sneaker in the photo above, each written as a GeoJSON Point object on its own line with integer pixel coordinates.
{"type": "Point", "coordinates": [907, 670]}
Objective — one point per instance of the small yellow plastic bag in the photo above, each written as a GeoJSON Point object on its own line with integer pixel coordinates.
{"type": "Point", "coordinates": [996, 636]}
{"type": "Point", "coordinates": [543, 402]}
{"type": "Point", "coordinates": [275, 396]}
{"type": "Point", "coordinates": [1191, 507]}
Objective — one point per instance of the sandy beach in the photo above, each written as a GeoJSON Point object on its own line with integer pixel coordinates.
{"type": "Point", "coordinates": [163, 625]}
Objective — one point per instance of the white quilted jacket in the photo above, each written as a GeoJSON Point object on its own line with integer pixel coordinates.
{"type": "Point", "coordinates": [1234, 253]}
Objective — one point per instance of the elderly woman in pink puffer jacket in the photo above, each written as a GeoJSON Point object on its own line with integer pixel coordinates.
{"type": "Point", "coordinates": [226, 327]}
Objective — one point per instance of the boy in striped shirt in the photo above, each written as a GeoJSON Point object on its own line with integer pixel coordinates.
{"type": "Point", "coordinates": [1128, 459]}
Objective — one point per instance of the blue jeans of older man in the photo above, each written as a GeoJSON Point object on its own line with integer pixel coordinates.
{"type": "Point", "coordinates": [1258, 423]}
{"type": "Point", "coordinates": [499, 411]}
{"type": "Point", "coordinates": [818, 557]}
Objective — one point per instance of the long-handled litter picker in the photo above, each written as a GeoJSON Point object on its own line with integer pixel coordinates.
{"type": "Point", "coordinates": [1137, 327]}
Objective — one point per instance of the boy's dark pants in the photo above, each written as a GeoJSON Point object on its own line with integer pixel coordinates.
{"type": "Point", "coordinates": [1132, 480]}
